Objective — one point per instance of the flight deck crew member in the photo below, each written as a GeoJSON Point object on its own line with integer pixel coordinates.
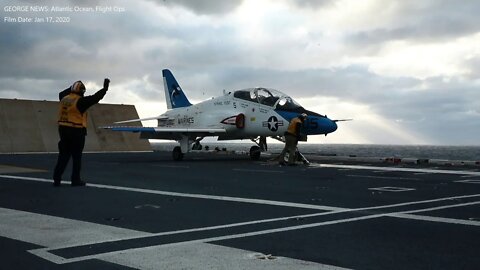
{"type": "Point", "coordinates": [292, 136]}
{"type": "Point", "coordinates": [72, 128]}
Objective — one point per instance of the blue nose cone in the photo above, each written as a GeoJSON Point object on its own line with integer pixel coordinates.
{"type": "Point", "coordinates": [331, 126]}
{"type": "Point", "coordinates": [321, 125]}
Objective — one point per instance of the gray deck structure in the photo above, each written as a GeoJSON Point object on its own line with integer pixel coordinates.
{"type": "Point", "coordinates": [31, 126]}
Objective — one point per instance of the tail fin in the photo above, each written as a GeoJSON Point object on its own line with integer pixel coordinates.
{"type": "Point", "coordinates": [174, 95]}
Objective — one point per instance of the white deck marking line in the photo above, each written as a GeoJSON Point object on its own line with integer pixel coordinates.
{"type": "Point", "coordinates": [417, 202]}
{"type": "Point", "coordinates": [470, 181]}
{"type": "Point", "coordinates": [171, 166]}
{"type": "Point", "coordinates": [438, 219]}
{"type": "Point", "coordinates": [44, 254]}
{"type": "Point", "coordinates": [209, 256]}
{"type": "Point", "coordinates": [407, 215]}
{"type": "Point", "coordinates": [359, 167]}
{"type": "Point", "coordinates": [392, 189]}
{"type": "Point", "coordinates": [149, 235]}
{"type": "Point", "coordinates": [258, 222]}
{"type": "Point", "coordinates": [220, 198]}
{"type": "Point", "coordinates": [38, 229]}
{"type": "Point", "coordinates": [440, 207]}
{"type": "Point", "coordinates": [40, 252]}
{"type": "Point", "coordinates": [24, 226]}
{"type": "Point", "coordinates": [189, 195]}
{"type": "Point", "coordinates": [43, 251]}
{"type": "Point", "coordinates": [384, 177]}
{"type": "Point", "coordinates": [246, 200]}
{"type": "Point", "coordinates": [259, 171]}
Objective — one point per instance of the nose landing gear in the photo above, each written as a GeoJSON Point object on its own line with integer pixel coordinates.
{"type": "Point", "coordinates": [177, 154]}
{"type": "Point", "coordinates": [260, 147]}
{"type": "Point", "coordinates": [255, 152]}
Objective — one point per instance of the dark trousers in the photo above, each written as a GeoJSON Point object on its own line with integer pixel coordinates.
{"type": "Point", "coordinates": [72, 141]}
{"type": "Point", "coordinates": [291, 142]}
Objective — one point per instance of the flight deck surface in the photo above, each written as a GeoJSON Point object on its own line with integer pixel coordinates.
{"type": "Point", "coordinates": [144, 211]}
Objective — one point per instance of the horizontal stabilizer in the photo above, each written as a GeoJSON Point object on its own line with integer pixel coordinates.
{"type": "Point", "coordinates": [139, 120]}
{"type": "Point", "coordinates": [129, 128]}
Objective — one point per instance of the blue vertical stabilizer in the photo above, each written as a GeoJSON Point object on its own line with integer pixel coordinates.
{"type": "Point", "coordinates": [174, 95]}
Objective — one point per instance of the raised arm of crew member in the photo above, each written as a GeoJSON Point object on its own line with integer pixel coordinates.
{"type": "Point", "coordinates": [64, 93]}
{"type": "Point", "coordinates": [86, 102]}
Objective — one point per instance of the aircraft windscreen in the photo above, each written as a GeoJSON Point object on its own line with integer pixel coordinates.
{"type": "Point", "coordinates": [287, 103]}
{"type": "Point", "coordinates": [258, 95]}
{"type": "Point", "coordinates": [268, 97]}
{"type": "Point", "coordinates": [282, 101]}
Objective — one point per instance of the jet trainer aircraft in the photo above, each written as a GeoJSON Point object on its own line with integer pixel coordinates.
{"type": "Point", "coordinates": [253, 113]}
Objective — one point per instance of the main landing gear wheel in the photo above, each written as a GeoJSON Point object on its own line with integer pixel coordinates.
{"type": "Point", "coordinates": [177, 153]}
{"type": "Point", "coordinates": [255, 153]}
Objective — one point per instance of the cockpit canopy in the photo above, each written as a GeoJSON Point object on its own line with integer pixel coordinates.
{"type": "Point", "coordinates": [269, 97]}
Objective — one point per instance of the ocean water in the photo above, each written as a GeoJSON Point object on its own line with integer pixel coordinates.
{"type": "Point", "coordinates": [465, 153]}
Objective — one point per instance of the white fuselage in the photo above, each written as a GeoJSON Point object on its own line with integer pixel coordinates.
{"type": "Point", "coordinates": [260, 119]}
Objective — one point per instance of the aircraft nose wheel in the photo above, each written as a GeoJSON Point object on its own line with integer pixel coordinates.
{"type": "Point", "coordinates": [177, 153]}
{"type": "Point", "coordinates": [255, 153]}
{"type": "Point", "coordinates": [197, 146]}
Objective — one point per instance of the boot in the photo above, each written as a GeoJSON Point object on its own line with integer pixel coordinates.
{"type": "Point", "coordinates": [56, 182]}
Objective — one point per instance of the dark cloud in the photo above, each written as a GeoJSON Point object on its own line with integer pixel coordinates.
{"type": "Point", "coordinates": [355, 83]}
{"type": "Point", "coordinates": [311, 4]}
{"type": "Point", "coordinates": [37, 89]}
{"type": "Point", "coordinates": [437, 21]}
{"type": "Point", "coordinates": [88, 47]}
{"type": "Point", "coordinates": [31, 52]}
{"type": "Point", "coordinates": [207, 7]}
{"type": "Point", "coordinates": [447, 111]}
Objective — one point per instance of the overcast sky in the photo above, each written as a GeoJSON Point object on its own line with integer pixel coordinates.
{"type": "Point", "coordinates": [407, 71]}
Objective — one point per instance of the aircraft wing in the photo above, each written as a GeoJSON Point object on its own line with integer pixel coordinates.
{"type": "Point", "coordinates": [167, 133]}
